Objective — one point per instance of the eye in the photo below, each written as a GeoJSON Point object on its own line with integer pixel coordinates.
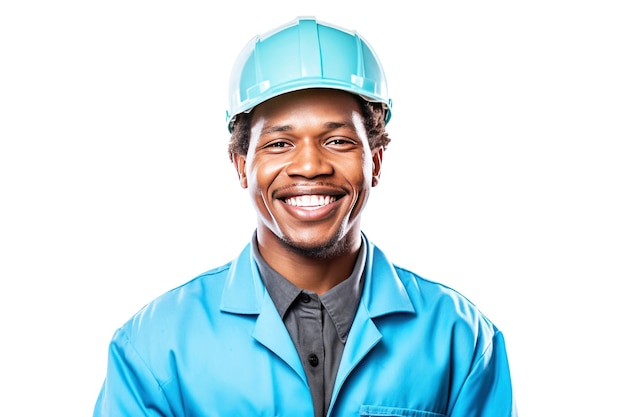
{"type": "Point", "coordinates": [277, 145]}
{"type": "Point", "coordinates": [337, 142]}
{"type": "Point", "coordinates": [340, 142]}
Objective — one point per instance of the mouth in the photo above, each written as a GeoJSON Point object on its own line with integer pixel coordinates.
{"type": "Point", "coordinates": [310, 201]}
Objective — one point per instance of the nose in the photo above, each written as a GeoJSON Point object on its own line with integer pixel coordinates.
{"type": "Point", "coordinates": [308, 161]}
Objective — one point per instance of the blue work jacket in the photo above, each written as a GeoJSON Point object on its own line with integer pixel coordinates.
{"type": "Point", "coordinates": [216, 346]}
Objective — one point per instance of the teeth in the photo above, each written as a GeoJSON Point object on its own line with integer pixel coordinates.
{"type": "Point", "coordinates": [310, 200]}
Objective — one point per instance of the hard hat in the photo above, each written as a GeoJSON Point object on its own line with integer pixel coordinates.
{"type": "Point", "coordinates": [305, 53]}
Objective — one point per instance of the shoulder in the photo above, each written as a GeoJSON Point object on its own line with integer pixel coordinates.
{"type": "Point", "coordinates": [425, 294]}
{"type": "Point", "coordinates": [443, 305]}
{"type": "Point", "coordinates": [181, 323]}
{"type": "Point", "coordinates": [179, 305]}
{"type": "Point", "coordinates": [433, 291]}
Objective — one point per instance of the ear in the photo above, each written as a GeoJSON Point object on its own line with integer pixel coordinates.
{"type": "Point", "coordinates": [239, 161]}
{"type": "Point", "coordinates": [377, 158]}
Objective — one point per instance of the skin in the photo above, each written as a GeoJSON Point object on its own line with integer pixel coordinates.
{"type": "Point", "coordinates": [309, 171]}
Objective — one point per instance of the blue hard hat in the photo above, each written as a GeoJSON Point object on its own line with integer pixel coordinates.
{"type": "Point", "coordinates": [305, 53]}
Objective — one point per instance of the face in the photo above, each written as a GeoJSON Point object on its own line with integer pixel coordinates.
{"type": "Point", "coordinates": [309, 171]}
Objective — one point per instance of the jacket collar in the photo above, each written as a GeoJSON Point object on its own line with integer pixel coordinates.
{"type": "Point", "coordinates": [383, 292]}
{"type": "Point", "coordinates": [244, 290]}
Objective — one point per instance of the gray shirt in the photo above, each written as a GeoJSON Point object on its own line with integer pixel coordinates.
{"type": "Point", "coordinates": [318, 324]}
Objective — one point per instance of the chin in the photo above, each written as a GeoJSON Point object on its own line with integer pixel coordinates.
{"type": "Point", "coordinates": [329, 248]}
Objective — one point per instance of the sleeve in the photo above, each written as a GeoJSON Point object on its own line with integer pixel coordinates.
{"type": "Point", "coordinates": [487, 391]}
{"type": "Point", "coordinates": [129, 389]}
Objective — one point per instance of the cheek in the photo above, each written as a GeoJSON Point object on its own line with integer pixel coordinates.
{"type": "Point", "coordinates": [262, 175]}
{"type": "Point", "coordinates": [258, 189]}
{"type": "Point", "coordinates": [361, 172]}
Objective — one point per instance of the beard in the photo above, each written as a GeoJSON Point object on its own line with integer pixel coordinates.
{"type": "Point", "coordinates": [335, 246]}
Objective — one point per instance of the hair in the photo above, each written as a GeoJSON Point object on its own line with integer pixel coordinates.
{"type": "Point", "coordinates": [373, 115]}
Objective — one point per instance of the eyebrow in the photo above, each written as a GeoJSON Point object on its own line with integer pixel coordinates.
{"type": "Point", "coordinates": [327, 126]}
{"type": "Point", "coordinates": [272, 129]}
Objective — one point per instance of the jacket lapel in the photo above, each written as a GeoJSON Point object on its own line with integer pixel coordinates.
{"type": "Point", "coordinates": [383, 293]}
{"type": "Point", "coordinates": [244, 293]}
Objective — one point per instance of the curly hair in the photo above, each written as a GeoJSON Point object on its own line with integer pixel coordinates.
{"type": "Point", "coordinates": [373, 115]}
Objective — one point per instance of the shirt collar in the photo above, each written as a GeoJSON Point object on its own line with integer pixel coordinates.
{"type": "Point", "coordinates": [340, 302]}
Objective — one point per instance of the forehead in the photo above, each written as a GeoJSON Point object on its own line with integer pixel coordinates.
{"type": "Point", "coordinates": [334, 103]}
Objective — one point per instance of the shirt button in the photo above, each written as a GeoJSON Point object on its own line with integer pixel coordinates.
{"type": "Point", "coordinates": [313, 360]}
{"type": "Point", "coordinates": [305, 298]}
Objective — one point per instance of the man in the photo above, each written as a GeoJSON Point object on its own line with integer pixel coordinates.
{"type": "Point", "coordinates": [311, 319]}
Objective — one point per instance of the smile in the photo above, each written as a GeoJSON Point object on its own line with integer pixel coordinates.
{"type": "Point", "coordinates": [310, 200]}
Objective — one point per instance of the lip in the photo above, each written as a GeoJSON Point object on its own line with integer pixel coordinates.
{"type": "Point", "coordinates": [311, 213]}
{"type": "Point", "coordinates": [296, 190]}
{"type": "Point", "coordinates": [302, 202]}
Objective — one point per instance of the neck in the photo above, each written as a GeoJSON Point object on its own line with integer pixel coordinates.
{"type": "Point", "coordinates": [312, 273]}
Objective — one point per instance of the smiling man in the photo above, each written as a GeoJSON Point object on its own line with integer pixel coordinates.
{"type": "Point", "coordinates": [309, 169]}
{"type": "Point", "coordinates": [311, 319]}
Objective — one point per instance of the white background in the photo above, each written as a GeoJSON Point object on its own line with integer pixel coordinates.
{"type": "Point", "coordinates": [504, 179]}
